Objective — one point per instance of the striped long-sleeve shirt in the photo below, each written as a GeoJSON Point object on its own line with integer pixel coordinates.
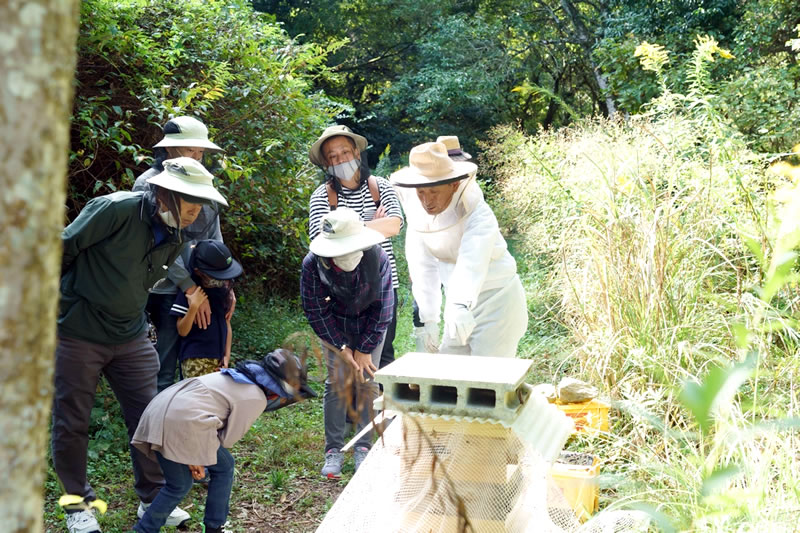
{"type": "Point", "coordinates": [335, 322]}
{"type": "Point", "coordinates": [360, 201]}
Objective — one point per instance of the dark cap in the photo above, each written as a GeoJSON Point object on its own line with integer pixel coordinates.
{"type": "Point", "coordinates": [213, 258]}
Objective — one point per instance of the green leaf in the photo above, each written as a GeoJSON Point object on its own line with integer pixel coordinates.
{"type": "Point", "coordinates": [755, 248]}
{"type": "Point", "coordinates": [664, 522]}
{"type": "Point", "coordinates": [718, 479]}
{"type": "Point", "coordinates": [719, 386]}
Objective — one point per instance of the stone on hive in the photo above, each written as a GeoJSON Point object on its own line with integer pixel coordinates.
{"type": "Point", "coordinates": [571, 390]}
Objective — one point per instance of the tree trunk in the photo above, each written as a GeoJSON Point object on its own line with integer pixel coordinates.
{"type": "Point", "coordinates": [37, 62]}
{"type": "Point", "coordinates": [583, 36]}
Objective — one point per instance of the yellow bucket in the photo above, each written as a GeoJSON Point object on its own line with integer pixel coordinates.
{"type": "Point", "coordinates": [579, 485]}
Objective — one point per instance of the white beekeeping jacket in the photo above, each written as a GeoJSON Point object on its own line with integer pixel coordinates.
{"type": "Point", "coordinates": [461, 248]}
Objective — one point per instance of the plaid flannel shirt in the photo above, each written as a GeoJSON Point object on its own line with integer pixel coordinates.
{"type": "Point", "coordinates": [333, 321]}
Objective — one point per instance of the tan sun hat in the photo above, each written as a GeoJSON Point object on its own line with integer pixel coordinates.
{"type": "Point", "coordinates": [429, 164]}
{"type": "Point", "coordinates": [343, 232]}
{"type": "Point", "coordinates": [453, 147]}
{"type": "Point", "coordinates": [186, 131]}
{"type": "Point", "coordinates": [315, 152]}
{"type": "Point", "coordinates": [188, 176]}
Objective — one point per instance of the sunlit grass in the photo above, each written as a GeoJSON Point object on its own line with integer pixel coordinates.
{"type": "Point", "coordinates": [637, 228]}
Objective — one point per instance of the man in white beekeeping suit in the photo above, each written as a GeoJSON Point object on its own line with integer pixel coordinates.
{"type": "Point", "coordinates": [453, 239]}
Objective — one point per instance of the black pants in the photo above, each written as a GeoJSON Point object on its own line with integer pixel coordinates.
{"type": "Point", "coordinates": [387, 356]}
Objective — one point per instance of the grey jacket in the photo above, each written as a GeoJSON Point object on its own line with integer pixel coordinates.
{"type": "Point", "coordinates": [190, 420]}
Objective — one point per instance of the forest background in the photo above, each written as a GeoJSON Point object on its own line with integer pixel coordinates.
{"type": "Point", "coordinates": [638, 155]}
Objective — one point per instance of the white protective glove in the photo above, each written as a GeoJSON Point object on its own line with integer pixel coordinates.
{"type": "Point", "coordinates": [458, 323]}
{"type": "Point", "coordinates": [427, 337]}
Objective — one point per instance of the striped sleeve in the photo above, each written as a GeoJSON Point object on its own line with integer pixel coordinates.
{"type": "Point", "coordinates": [180, 306]}
{"type": "Point", "coordinates": [389, 199]}
{"type": "Point", "coordinates": [318, 207]}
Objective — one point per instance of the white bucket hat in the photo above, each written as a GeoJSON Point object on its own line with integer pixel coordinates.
{"type": "Point", "coordinates": [186, 131]}
{"type": "Point", "coordinates": [429, 164]}
{"type": "Point", "coordinates": [343, 232]}
{"type": "Point", "coordinates": [453, 147]}
{"type": "Point", "coordinates": [188, 176]}
{"type": "Point", "coordinates": [315, 152]}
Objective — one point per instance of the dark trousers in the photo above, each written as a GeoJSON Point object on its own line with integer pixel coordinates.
{"type": "Point", "coordinates": [387, 355]}
{"type": "Point", "coordinates": [179, 483]}
{"type": "Point", "coordinates": [130, 369]}
{"type": "Point", "coordinates": [158, 305]}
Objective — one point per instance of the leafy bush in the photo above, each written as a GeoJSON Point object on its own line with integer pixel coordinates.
{"type": "Point", "coordinates": [142, 62]}
{"type": "Point", "coordinates": [669, 258]}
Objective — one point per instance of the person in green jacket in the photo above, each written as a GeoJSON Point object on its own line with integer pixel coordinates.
{"type": "Point", "coordinates": [117, 248]}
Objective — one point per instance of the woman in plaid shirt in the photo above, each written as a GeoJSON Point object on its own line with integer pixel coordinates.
{"type": "Point", "coordinates": [347, 296]}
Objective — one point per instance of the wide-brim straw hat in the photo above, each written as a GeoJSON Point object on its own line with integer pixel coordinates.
{"type": "Point", "coordinates": [315, 152]}
{"type": "Point", "coordinates": [453, 147]}
{"type": "Point", "coordinates": [186, 131]}
{"type": "Point", "coordinates": [188, 176]}
{"type": "Point", "coordinates": [429, 164]}
{"type": "Point", "coordinates": [343, 232]}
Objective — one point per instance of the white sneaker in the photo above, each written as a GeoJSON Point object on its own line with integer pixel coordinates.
{"type": "Point", "coordinates": [82, 522]}
{"type": "Point", "coordinates": [176, 518]}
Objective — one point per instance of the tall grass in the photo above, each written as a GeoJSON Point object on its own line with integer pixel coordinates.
{"type": "Point", "coordinates": [656, 235]}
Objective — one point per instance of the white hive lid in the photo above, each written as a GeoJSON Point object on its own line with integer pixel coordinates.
{"type": "Point", "coordinates": [444, 369]}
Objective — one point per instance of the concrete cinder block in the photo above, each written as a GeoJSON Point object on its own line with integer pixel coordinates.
{"type": "Point", "coordinates": [457, 385]}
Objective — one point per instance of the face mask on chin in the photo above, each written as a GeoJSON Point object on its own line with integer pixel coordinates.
{"type": "Point", "coordinates": [344, 171]}
{"type": "Point", "coordinates": [168, 218]}
{"type": "Point", "coordinates": [348, 262]}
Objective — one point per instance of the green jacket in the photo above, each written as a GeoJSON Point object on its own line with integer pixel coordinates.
{"type": "Point", "coordinates": [109, 264]}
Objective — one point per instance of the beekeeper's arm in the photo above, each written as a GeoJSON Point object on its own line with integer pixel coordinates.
{"type": "Point", "coordinates": [426, 286]}
{"type": "Point", "coordinates": [469, 274]}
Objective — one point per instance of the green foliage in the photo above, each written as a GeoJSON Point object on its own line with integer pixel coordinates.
{"type": "Point", "coordinates": [718, 387]}
{"type": "Point", "coordinates": [690, 327]}
{"type": "Point", "coordinates": [141, 63]}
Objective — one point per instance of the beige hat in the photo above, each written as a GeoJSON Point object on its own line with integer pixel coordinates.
{"type": "Point", "coordinates": [429, 164]}
{"type": "Point", "coordinates": [315, 153]}
{"type": "Point", "coordinates": [186, 131]}
{"type": "Point", "coordinates": [186, 175]}
{"type": "Point", "coordinates": [453, 147]}
{"type": "Point", "coordinates": [343, 232]}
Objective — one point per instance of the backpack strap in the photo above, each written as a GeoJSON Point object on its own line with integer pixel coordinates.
{"type": "Point", "coordinates": [333, 198]}
{"type": "Point", "coordinates": [372, 183]}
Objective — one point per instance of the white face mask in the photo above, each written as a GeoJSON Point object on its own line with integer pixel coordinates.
{"type": "Point", "coordinates": [345, 171]}
{"type": "Point", "coordinates": [168, 218]}
{"type": "Point", "coordinates": [348, 262]}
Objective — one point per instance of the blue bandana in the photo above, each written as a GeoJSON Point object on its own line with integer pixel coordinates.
{"type": "Point", "coordinates": [277, 396]}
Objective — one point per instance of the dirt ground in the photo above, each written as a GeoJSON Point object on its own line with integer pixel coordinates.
{"type": "Point", "coordinates": [299, 510]}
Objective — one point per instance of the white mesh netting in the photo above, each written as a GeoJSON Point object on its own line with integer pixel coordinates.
{"type": "Point", "coordinates": [434, 474]}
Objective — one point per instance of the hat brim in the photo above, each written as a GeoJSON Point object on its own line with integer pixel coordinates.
{"type": "Point", "coordinates": [315, 152]}
{"type": "Point", "coordinates": [411, 177]}
{"type": "Point", "coordinates": [234, 270]}
{"type": "Point", "coordinates": [164, 179]}
{"type": "Point", "coordinates": [323, 246]}
{"type": "Point", "coordinates": [172, 142]}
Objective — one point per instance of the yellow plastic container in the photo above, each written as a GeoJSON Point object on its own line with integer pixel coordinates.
{"type": "Point", "coordinates": [579, 485]}
{"type": "Point", "coordinates": [588, 416]}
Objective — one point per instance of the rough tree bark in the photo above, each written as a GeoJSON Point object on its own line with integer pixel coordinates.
{"type": "Point", "coordinates": [584, 37]}
{"type": "Point", "coordinates": [37, 62]}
